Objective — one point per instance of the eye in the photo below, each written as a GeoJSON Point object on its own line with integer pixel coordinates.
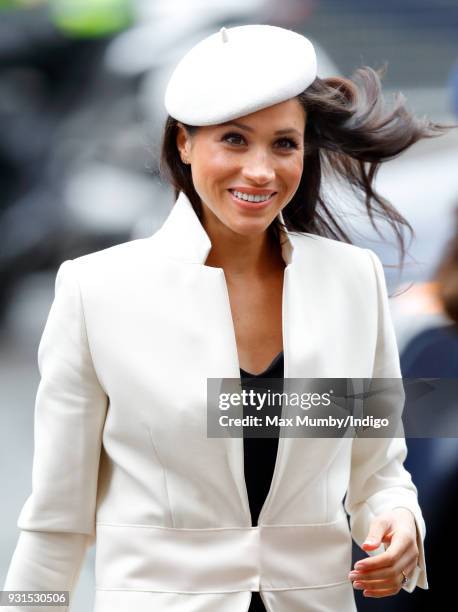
{"type": "Point", "coordinates": [293, 144]}
{"type": "Point", "coordinates": [286, 143]}
{"type": "Point", "coordinates": [231, 135]}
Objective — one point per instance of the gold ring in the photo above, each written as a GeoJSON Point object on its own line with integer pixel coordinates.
{"type": "Point", "coordinates": [405, 578]}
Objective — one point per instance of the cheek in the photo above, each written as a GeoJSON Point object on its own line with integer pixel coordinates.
{"type": "Point", "coordinates": [211, 170]}
{"type": "Point", "coordinates": [293, 171]}
{"type": "Point", "coordinates": [212, 158]}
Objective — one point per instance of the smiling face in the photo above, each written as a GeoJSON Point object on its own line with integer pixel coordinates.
{"type": "Point", "coordinates": [261, 153]}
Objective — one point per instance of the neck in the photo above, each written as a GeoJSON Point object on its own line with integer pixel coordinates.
{"type": "Point", "coordinates": [243, 256]}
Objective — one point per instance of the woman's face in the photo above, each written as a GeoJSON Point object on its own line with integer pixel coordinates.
{"type": "Point", "coordinates": [260, 153]}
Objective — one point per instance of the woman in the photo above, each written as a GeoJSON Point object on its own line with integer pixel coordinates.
{"type": "Point", "coordinates": [122, 455]}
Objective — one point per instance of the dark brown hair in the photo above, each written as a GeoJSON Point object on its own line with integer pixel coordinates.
{"type": "Point", "coordinates": [447, 275]}
{"type": "Point", "coordinates": [349, 133]}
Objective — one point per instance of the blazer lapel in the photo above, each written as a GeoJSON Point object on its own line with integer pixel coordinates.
{"type": "Point", "coordinates": [182, 238]}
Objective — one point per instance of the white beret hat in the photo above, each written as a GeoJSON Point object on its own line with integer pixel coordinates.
{"type": "Point", "coordinates": [238, 71]}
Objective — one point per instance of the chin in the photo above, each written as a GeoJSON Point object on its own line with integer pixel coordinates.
{"type": "Point", "coordinates": [249, 227]}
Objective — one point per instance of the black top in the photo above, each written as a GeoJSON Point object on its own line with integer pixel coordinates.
{"type": "Point", "coordinates": [260, 453]}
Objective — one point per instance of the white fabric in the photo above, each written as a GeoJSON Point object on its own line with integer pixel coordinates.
{"type": "Point", "coordinates": [122, 458]}
{"type": "Point", "coordinates": [239, 71]}
{"type": "Point", "coordinates": [223, 559]}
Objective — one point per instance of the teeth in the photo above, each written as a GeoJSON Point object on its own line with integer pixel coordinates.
{"type": "Point", "coordinates": [251, 198]}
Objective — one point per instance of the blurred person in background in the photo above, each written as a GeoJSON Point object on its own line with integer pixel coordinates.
{"type": "Point", "coordinates": [434, 351]}
{"type": "Point", "coordinates": [433, 462]}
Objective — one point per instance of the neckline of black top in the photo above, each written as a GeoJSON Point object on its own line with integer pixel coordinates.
{"type": "Point", "coordinates": [272, 364]}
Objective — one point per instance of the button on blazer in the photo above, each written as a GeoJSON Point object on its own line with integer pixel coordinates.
{"type": "Point", "coordinates": [122, 459]}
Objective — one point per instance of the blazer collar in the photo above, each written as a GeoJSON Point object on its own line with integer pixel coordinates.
{"type": "Point", "coordinates": [183, 237]}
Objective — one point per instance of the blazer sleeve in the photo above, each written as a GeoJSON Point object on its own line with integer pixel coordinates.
{"type": "Point", "coordinates": [57, 520]}
{"type": "Point", "coordinates": [379, 480]}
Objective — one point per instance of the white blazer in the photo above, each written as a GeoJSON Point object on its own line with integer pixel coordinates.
{"type": "Point", "coordinates": [122, 459]}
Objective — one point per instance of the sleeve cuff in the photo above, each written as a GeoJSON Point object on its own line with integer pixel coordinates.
{"type": "Point", "coordinates": [46, 561]}
{"type": "Point", "coordinates": [418, 577]}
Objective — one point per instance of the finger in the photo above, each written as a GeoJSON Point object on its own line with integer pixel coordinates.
{"type": "Point", "coordinates": [399, 546]}
{"type": "Point", "coordinates": [407, 563]}
{"type": "Point", "coordinates": [392, 572]}
{"type": "Point", "coordinates": [374, 585]}
{"type": "Point", "coordinates": [381, 593]}
{"type": "Point", "coordinates": [390, 575]}
{"type": "Point", "coordinates": [377, 532]}
{"type": "Point", "coordinates": [385, 587]}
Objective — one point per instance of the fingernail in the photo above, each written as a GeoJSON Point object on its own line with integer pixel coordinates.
{"type": "Point", "coordinates": [358, 585]}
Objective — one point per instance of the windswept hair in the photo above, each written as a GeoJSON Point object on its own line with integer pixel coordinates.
{"type": "Point", "coordinates": [349, 133]}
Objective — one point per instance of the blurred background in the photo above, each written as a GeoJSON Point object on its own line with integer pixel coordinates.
{"type": "Point", "coordinates": [81, 118]}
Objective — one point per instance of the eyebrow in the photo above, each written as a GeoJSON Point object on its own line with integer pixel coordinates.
{"type": "Point", "coordinates": [250, 129]}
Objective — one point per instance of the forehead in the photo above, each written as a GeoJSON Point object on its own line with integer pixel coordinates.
{"type": "Point", "coordinates": [279, 118]}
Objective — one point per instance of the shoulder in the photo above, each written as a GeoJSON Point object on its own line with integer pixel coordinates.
{"type": "Point", "coordinates": [107, 271]}
{"type": "Point", "coordinates": [118, 258]}
{"type": "Point", "coordinates": [336, 257]}
{"type": "Point", "coordinates": [445, 336]}
{"type": "Point", "coordinates": [327, 246]}
{"type": "Point", "coordinates": [432, 352]}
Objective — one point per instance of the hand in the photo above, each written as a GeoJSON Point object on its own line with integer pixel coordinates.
{"type": "Point", "coordinates": [381, 575]}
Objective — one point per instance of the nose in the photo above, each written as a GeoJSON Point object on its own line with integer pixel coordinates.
{"type": "Point", "coordinates": [258, 168]}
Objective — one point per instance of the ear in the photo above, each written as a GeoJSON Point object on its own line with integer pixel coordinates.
{"type": "Point", "coordinates": [182, 141]}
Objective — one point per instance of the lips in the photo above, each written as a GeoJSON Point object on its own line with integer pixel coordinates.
{"type": "Point", "coordinates": [247, 205]}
